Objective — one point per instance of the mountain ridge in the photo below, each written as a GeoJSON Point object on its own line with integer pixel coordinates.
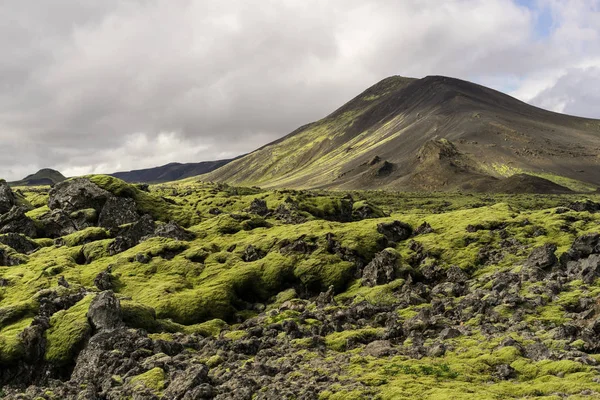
{"type": "Point", "coordinates": [169, 172]}
{"type": "Point", "coordinates": [396, 117]}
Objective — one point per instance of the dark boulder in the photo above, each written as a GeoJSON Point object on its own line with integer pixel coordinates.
{"type": "Point", "coordinates": [15, 221]}
{"type": "Point", "coordinates": [132, 234]}
{"type": "Point", "coordinates": [297, 246]}
{"type": "Point", "coordinates": [7, 259]}
{"type": "Point", "coordinates": [192, 383]}
{"type": "Point", "coordinates": [539, 261]}
{"type": "Point", "coordinates": [56, 223]}
{"type": "Point", "coordinates": [456, 274]}
{"type": "Point", "coordinates": [172, 230]}
{"type": "Point", "coordinates": [7, 198]}
{"type": "Point", "coordinates": [118, 211]}
{"type": "Point", "coordinates": [104, 280]}
{"type": "Point", "coordinates": [252, 254]}
{"type": "Point", "coordinates": [395, 231]}
{"type": "Point", "coordinates": [582, 247]}
{"type": "Point", "coordinates": [424, 229]}
{"type": "Point", "coordinates": [77, 194]}
{"type": "Point", "coordinates": [259, 207]}
{"type": "Point", "coordinates": [19, 243]}
{"type": "Point", "coordinates": [382, 269]}
{"type": "Point", "coordinates": [586, 205]}
{"type": "Point", "coordinates": [104, 313]}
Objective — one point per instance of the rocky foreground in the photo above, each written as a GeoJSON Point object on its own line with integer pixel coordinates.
{"type": "Point", "coordinates": [201, 291]}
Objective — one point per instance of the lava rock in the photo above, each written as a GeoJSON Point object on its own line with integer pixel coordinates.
{"type": "Point", "coordinates": [172, 230]}
{"type": "Point", "coordinates": [189, 384]}
{"type": "Point", "coordinates": [19, 243]}
{"type": "Point", "coordinates": [259, 207]}
{"type": "Point", "coordinates": [382, 269]}
{"type": "Point", "coordinates": [57, 223]}
{"type": "Point", "coordinates": [77, 194]}
{"type": "Point", "coordinates": [132, 234]}
{"type": "Point", "coordinates": [7, 197]}
{"type": "Point", "coordinates": [118, 211]}
{"type": "Point", "coordinates": [586, 205]}
{"type": "Point", "coordinates": [395, 231]}
{"type": "Point", "coordinates": [104, 313]}
{"type": "Point", "coordinates": [423, 229]}
{"type": "Point", "coordinates": [104, 281]}
{"type": "Point", "coordinates": [8, 260]}
{"type": "Point", "coordinates": [15, 221]}
{"type": "Point", "coordinates": [252, 254]}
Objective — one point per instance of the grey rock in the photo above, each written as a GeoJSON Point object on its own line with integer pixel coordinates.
{"type": "Point", "coordinates": [7, 197]}
{"type": "Point", "coordinates": [381, 270]}
{"type": "Point", "coordinates": [104, 313]}
{"type": "Point", "coordinates": [77, 194]}
{"type": "Point", "coordinates": [251, 253]}
{"type": "Point", "coordinates": [259, 207]}
{"type": "Point", "coordinates": [118, 211]}
{"type": "Point", "coordinates": [104, 281]}
{"type": "Point", "coordinates": [172, 230]}
{"type": "Point", "coordinates": [19, 243]}
{"type": "Point", "coordinates": [132, 234]}
{"type": "Point", "coordinates": [379, 348]}
{"type": "Point", "coordinates": [395, 231]}
{"type": "Point", "coordinates": [57, 223]}
{"type": "Point", "coordinates": [15, 221]}
{"type": "Point", "coordinates": [504, 372]}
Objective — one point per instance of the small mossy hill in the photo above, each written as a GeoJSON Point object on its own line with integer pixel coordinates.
{"type": "Point", "coordinates": [290, 263]}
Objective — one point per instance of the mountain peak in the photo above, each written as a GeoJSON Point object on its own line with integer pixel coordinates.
{"type": "Point", "coordinates": [402, 121]}
{"type": "Point", "coordinates": [45, 176]}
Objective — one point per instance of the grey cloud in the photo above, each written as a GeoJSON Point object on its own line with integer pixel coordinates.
{"type": "Point", "coordinates": [98, 86]}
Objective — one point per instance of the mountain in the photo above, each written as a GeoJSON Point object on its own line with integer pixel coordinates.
{"type": "Point", "coordinates": [43, 177]}
{"type": "Point", "coordinates": [169, 172]}
{"type": "Point", "coordinates": [434, 133]}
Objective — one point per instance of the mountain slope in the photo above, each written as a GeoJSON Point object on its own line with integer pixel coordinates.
{"type": "Point", "coordinates": [43, 177]}
{"type": "Point", "coordinates": [170, 172]}
{"type": "Point", "coordinates": [377, 141]}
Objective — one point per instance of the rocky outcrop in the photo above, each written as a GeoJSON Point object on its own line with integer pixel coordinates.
{"type": "Point", "coordinates": [259, 207]}
{"type": "Point", "coordinates": [172, 230]}
{"type": "Point", "coordinates": [118, 211]}
{"type": "Point", "coordinates": [77, 194]}
{"type": "Point", "coordinates": [19, 243]}
{"type": "Point", "coordinates": [395, 231]}
{"type": "Point", "coordinates": [104, 313]}
{"type": "Point", "coordinates": [15, 221]}
{"type": "Point", "coordinates": [132, 234]}
{"type": "Point", "coordinates": [7, 197]}
{"type": "Point", "coordinates": [56, 223]}
{"type": "Point", "coordinates": [382, 269]}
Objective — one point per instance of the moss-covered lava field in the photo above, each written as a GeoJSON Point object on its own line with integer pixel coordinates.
{"type": "Point", "coordinates": [197, 290]}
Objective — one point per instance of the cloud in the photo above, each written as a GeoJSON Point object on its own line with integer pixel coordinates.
{"type": "Point", "coordinates": [112, 85]}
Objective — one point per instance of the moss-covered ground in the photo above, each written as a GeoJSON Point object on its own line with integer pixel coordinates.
{"type": "Point", "coordinates": [208, 286]}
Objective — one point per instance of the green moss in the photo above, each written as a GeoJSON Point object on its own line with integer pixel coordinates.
{"type": "Point", "coordinates": [67, 333]}
{"type": "Point", "coordinates": [153, 379]}
{"type": "Point", "coordinates": [11, 347]}
{"type": "Point", "coordinates": [86, 235]}
{"type": "Point", "coordinates": [235, 335]}
{"type": "Point", "coordinates": [339, 341]}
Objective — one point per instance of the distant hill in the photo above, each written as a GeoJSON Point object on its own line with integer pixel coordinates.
{"type": "Point", "coordinates": [169, 172]}
{"type": "Point", "coordinates": [43, 177]}
{"type": "Point", "coordinates": [434, 133]}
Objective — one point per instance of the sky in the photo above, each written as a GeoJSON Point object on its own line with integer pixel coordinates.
{"type": "Point", "coordinates": [90, 86]}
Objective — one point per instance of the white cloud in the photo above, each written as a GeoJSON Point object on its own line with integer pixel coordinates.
{"type": "Point", "coordinates": [103, 86]}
